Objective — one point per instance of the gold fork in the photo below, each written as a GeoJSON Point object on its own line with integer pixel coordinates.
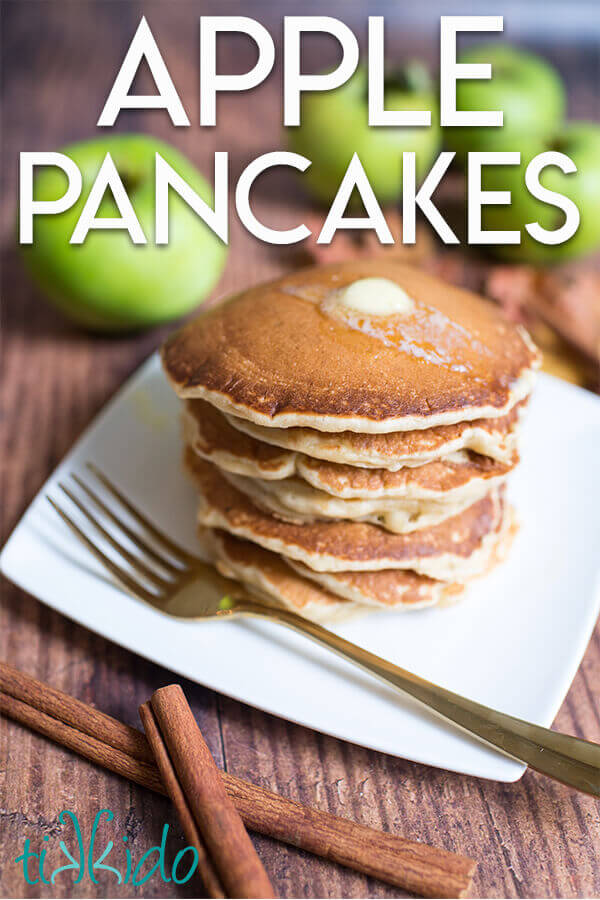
{"type": "Point", "coordinates": [178, 583]}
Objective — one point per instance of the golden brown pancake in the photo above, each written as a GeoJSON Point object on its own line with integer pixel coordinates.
{"type": "Point", "coordinates": [491, 437]}
{"type": "Point", "coordinates": [273, 355]}
{"type": "Point", "coordinates": [458, 473]}
{"type": "Point", "coordinates": [208, 432]}
{"type": "Point", "coordinates": [392, 589]}
{"type": "Point", "coordinates": [293, 500]}
{"type": "Point", "coordinates": [267, 576]}
{"type": "Point", "coordinates": [347, 594]}
{"type": "Point", "coordinates": [455, 550]}
{"type": "Point", "coordinates": [212, 436]}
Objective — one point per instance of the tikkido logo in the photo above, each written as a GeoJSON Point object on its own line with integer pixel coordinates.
{"type": "Point", "coordinates": [88, 859]}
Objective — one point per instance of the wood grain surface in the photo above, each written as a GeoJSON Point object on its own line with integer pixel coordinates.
{"type": "Point", "coordinates": [532, 838]}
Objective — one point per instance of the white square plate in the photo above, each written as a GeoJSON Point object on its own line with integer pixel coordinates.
{"type": "Point", "coordinates": [514, 642]}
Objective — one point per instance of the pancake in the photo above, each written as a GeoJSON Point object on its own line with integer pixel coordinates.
{"type": "Point", "coordinates": [456, 475]}
{"type": "Point", "coordinates": [213, 437]}
{"type": "Point", "coordinates": [292, 500]}
{"type": "Point", "coordinates": [247, 449]}
{"type": "Point", "coordinates": [496, 438]}
{"type": "Point", "coordinates": [270, 579]}
{"type": "Point", "coordinates": [287, 354]}
{"type": "Point", "coordinates": [350, 593]}
{"type": "Point", "coordinates": [398, 588]}
{"type": "Point", "coordinates": [455, 550]}
{"type": "Point", "coordinates": [391, 589]}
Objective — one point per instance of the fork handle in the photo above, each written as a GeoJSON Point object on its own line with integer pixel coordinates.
{"type": "Point", "coordinates": [567, 759]}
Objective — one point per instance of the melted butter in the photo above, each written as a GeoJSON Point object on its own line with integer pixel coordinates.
{"type": "Point", "coordinates": [375, 297]}
{"type": "Point", "coordinates": [397, 320]}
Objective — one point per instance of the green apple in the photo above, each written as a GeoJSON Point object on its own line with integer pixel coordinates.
{"type": "Point", "coordinates": [581, 142]}
{"type": "Point", "coordinates": [108, 283]}
{"type": "Point", "coordinates": [524, 86]}
{"type": "Point", "coordinates": [334, 126]}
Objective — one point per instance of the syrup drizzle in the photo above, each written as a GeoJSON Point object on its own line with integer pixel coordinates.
{"type": "Point", "coordinates": [425, 333]}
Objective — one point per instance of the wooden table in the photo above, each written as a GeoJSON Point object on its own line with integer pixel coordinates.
{"type": "Point", "coordinates": [533, 838]}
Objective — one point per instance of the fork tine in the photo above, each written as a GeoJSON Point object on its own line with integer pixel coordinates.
{"type": "Point", "coordinates": [175, 549]}
{"type": "Point", "coordinates": [131, 534]}
{"type": "Point", "coordinates": [140, 567]}
{"type": "Point", "coordinates": [123, 577]}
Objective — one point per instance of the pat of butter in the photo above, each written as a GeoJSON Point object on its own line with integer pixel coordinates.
{"type": "Point", "coordinates": [375, 297]}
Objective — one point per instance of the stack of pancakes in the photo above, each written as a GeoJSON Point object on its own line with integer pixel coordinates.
{"type": "Point", "coordinates": [350, 429]}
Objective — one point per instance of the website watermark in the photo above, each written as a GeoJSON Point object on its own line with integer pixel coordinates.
{"type": "Point", "coordinates": [96, 857]}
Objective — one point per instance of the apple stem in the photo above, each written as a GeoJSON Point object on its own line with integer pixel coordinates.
{"type": "Point", "coordinates": [412, 77]}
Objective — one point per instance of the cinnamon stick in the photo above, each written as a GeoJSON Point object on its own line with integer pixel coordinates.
{"type": "Point", "coordinates": [410, 865]}
{"type": "Point", "coordinates": [92, 748]}
{"type": "Point", "coordinates": [222, 829]}
{"type": "Point", "coordinates": [74, 712]}
{"type": "Point", "coordinates": [208, 873]}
